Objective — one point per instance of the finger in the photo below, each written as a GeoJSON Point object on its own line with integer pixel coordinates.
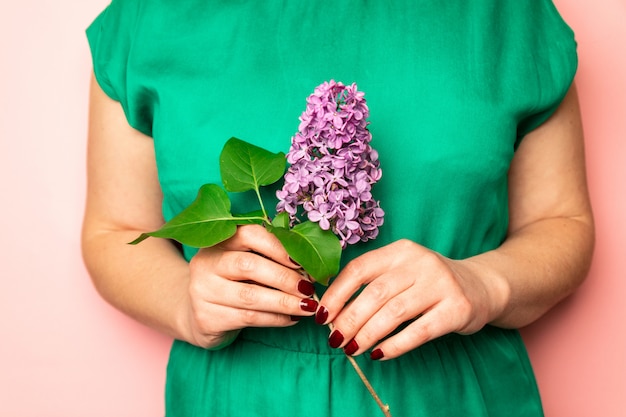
{"type": "Point", "coordinates": [247, 266]}
{"type": "Point", "coordinates": [258, 298]}
{"type": "Point", "coordinates": [379, 298]}
{"type": "Point", "coordinates": [440, 309]}
{"type": "Point", "coordinates": [356, 273]}
{"type": "Point", "coordinates": [395, 313]}
{"type": "Point", "coordinates": [363, 270]}
{"type": "Point", "coordinates": [427, 327]}
{"type": "Point", "coordinates": [215, 320]}
{"type": "Point", "coordinates": [256, 238]}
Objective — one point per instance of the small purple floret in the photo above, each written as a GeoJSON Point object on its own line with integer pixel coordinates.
{"type": "Point", "coordinates": [333, 167]}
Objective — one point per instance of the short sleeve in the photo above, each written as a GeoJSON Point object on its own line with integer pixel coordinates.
{"type": "Point", "coordinates": [111, 40]}
{"type": "Point", "coordinates": [555, 61]}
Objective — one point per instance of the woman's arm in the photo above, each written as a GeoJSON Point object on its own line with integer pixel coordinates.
{"type": "Point", "coordinates": [204, 302]}
{"type": "Point", "coordinates": [550, 241]}
{"type": "Point", "coordinates": [544, 258]}
{"type": "Point", "coordinates": [147, 281]}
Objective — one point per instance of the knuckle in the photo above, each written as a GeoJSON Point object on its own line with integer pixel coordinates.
{"type": "Point", "coordinates": [349, 323]}
{"type": "Point", "coordinates": [404, 244]}
{"type": "Point", "coordinates": [275, 246]}
{"type": "Point", "coordinates": [285, 303]}
{"type": "Point", "coordinates": [422, 333]}
{"type": "Point", "coordinates": [243, 232]}
{"type": "Point", "coordinates": [248, 233]}
{"type": "Point", "coordinates": [378, 290]}
{"type": "Point", "coordinates": [392, 348]}
{"type": "Point", "coordinates": [249, 317]}
{"type": "Point", "coordinates": [282, 277]}
{"type": "Point", "coordinates": [355, 267]}
{"type": "Point", "coordinates": [366, 336]}
{"type": "Point", "coordinates": [207, 262]}
{"type": "Point", "coordinates": [248, 295]}
{"type": "Point", "coordinates": [415, 335]}
{"type": "Point", "coordinates": [396, 308]}
{"type": "Point", "coordinates": [202, 288]}
{"type": "Point", "coordinates": [431, 259]}
{"type": "Point", "coordinates": [243, 262]}
{"type": "Point", "coordinates": [197, 289]}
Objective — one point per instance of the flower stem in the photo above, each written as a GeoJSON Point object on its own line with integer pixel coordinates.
{"type": "Point", "coordinates": [258, 194]}
{"type": "Point", "coordinates": [383, 407]}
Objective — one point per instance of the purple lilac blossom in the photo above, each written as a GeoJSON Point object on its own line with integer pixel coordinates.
{"type": "Point", "coordinates": [333, 167]}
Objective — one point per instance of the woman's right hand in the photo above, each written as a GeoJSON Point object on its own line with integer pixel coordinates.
{"type": "Point", "coordinates": [246, 281]}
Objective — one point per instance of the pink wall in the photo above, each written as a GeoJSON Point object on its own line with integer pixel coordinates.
{"type": "Point", "coordinates": [579, 349]}
{"type": "Point", "coordinates": [64, 352]}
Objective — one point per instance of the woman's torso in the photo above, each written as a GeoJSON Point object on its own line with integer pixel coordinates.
{"type": "Point", "coordinates": [452, 87]}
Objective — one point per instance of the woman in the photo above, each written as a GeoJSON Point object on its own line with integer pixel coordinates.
{"type": "Point", "coordinates": [487, 225]}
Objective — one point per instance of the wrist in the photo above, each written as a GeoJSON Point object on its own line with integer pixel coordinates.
{"type": "Point", "coordinates": [495, 288]}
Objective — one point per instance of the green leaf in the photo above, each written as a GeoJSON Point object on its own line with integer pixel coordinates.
{"type": "Point", "coordinates": [245, 167]}
{"type": "Point", "coordinates": [255, 217]}
{"type": "Point", "coordinates": [205, 222]}
{"type": "Point", "coordinates": [317, 251]}
{"type": "Point", "coordinates": [281, 220]}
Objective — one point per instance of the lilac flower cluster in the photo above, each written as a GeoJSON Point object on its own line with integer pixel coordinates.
{"type": "Point", "coordinates": [333, 167]}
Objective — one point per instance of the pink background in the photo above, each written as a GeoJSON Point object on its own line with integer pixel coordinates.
{"type": "Point", "coordinates": [64, 352]}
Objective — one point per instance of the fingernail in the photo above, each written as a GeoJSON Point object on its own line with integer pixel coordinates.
{"type": "Point", "coordinates": [336, 339]}
{"type": "Point", "coordinates": [377, 354]}
{"type": "Point", "coordinates": [307, 288]}
{"type": "Point", "coordinates": [351, 347]}
{"type": "Point", "coordinates": [308, 305]}
{"type": "Point", "coordinates": [295, 318]}
{"type": "Point", "coordinates": [321, 316]}
{"type": "Point", "coordinates": [294, 262]}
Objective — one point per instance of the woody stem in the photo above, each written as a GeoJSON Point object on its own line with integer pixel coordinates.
{"type": "Point", "coordinates": [383, 407]}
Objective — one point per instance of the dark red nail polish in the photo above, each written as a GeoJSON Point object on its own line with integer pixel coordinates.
{"type": "Point", "coordinates": [306, 288]}
{"type": "Point", "coordinates": [309, 305]}
{"type": "Point", "coordinates": [321, 316]}
{"type": "Point", "coordinates": [377, 354]}
{"type": "Point", "coordinates": [351, 347]}
{"type": "Point", "coordinates": [336, 339]}
{"type": "Point", "coordinates": [295, 318]}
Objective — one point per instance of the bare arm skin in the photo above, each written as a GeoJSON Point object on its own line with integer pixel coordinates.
{"type": "Point", "coordinates": [545, 257]}
{"type": "Point", "coordinates": [204, 302]}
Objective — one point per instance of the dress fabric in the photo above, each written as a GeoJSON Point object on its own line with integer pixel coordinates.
{"type": "Point", "coordinates": [452, 87]}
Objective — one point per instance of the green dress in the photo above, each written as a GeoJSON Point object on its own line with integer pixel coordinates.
{"type": "Point", "coordinates": [452, 88]}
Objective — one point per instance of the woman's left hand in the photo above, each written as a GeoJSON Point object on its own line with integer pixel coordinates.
{"type": "Point", "coordinates": [405, 282]}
